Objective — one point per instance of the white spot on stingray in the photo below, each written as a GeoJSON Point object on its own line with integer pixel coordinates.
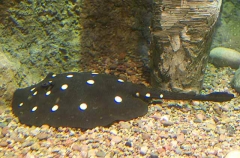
{"type": "Point", "coordinates": [34, 108]}
{"type": "Point", "coordinates": [69, 76]}
{"type": "Point", "coordinates": [83, 106]}
{"type": "Point", "coordinates": [48, 92]}
{"type": "Point", "coordinates": [90, 82]}
{"type": "Point", "coordinates": [32, 89]}
{"type": "Point", "coordinates": [137, 94]}
{"type": "Point", "coordinates": [49, 81]}
{"type": "Point", "coordinates": [54, 75]}
{"type": "Point", "coordinates": [35, 93]}
{"type": "Point", "coordinates": [118, 99]}
{"type": "Point", "coordinates": [64, 87]}
{"type": "Point", "coordinates": [54, 108]}
{"type": "Point", "coordinates": [148, 95]}
{"type": "Point", "coordinates": [21, 104]}
{"type": "Point", "coordinates": [94, 73]}
{"type": "Point", "coordinates": [161, 96]}
{"type": "Point", "coordinates": [120, 80]}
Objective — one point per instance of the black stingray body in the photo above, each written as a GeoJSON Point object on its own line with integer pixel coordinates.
{"type": "Point", "coordinates": [86, 100]}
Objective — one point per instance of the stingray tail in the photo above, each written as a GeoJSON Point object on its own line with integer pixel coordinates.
{"type": "Point", "coordinates": [218, 96]}
{"type": "Point", "coordinates": [215, 96]}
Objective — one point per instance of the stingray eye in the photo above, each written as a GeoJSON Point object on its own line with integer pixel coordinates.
{"type": "Point", "coordinates": [48, 85]}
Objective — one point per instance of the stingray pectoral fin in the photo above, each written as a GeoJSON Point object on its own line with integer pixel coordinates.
{"type": "Point", "coordinates": [218, 96]}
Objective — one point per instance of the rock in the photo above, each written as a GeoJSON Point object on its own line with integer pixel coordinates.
{"type": "Point", "coordinates": [114, 132]}
{"type": "Point", "coordinates": [8, 84]}
{"type": "Point", "coordinates": [235, 83]}
{"type": "Point", "coordinates": [233, 154]}
{"type": "Point", "coordinates": [92, 153]}
{"type": "Point", "coordinates": [35, 146]}
{"type": "Point", "coordinates": [124, 125]}
{"type": "Point", "coordinates": [146, 136]}
{"type": "Point", "coordinates": [3, 144]}
{"type": "Point", "coordinates": [42, 136]}
{"type": "Point", "coordinates": [222, 57]}
{"type": "Point", "coordinates": [128, 143]}
{"type": "Point", "coordinates": [76, 147]}
{"type": "Point", "coordinates": [153, 155]}
{"type": "Point", "coordinates": [27, 143]}
{"type": "Point", "coordinates": [30, 155]}
{"type": "Point", "coordinates": [100, 153]}
{"type": "Point", "coordinates": [4, 131]}
{"type": "Point", "coordinates": [35, 131]}
{"type": "Point", "coordinates": [180, 138]}
{"type": "Point", "coordinates": [167, 123]}
{"type": "Point", "coordinates": [143, 150]}
{"type": "Point", "coordinates": [116, 140]}
{"type": "Point", "coordinates": [200, 117]}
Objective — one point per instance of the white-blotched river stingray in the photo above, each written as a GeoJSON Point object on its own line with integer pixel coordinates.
{"type": "Point", "coordinates": [86, 100]}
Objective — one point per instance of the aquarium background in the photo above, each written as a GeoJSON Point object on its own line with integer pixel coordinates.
{"type": "Point", "coordinates": [112, 37]}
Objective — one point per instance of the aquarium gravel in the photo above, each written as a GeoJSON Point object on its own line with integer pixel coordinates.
{"type": "Point", "coordinates": [170, 129]}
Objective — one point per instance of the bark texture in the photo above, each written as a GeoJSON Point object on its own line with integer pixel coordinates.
{"type": "Point", "coordinates": [182, 34]}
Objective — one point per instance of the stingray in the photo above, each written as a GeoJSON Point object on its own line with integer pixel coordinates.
{"type": "Point", "coordinates": [87, 100]}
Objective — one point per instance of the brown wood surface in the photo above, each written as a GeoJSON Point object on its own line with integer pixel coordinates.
{"type": "Point", "coordinates": [181, 37]}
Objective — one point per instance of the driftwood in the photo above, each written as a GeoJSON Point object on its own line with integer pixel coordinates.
{"type": "Point", "coordinates": [181, 37]}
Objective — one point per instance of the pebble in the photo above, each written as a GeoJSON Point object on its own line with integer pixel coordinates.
{"type": "Point", "coordinates": [222, 137]}
{"type": "Point", "coordinates": [195, 103]}
{"type": "Point", "coordinates": [178, 151]}
{"type": "Point", "coordinates": [180, 138]}
{"type": "Point", "coordinates": [100, 153]}
{"type": "Point", "coordinates": [82, 137]}
{"type": "Point", "coordinates": [35, 146]}
{"type": "Point", "coordinates": [143, 150]}
{"type": "Point", "coordinates": [124, 125]}
{"type": "Point", "coordinates": [129, 144]}
{"type": "Point", "coordinates": [209, 127]}
{"type": "Point", "coordinates": [146, 136]}
{"type": "Point", "coordinates": [217, 109]}
{"type": "Point", "coordinates": [200, 117]}
{"type": "Point", "coordinates": [76, 147]}
{"type": "Point", "coordinates": [84, 151]}
{"type": "Point", "coordinates": [46, 144]}
{"type": "Point", "coordinates": [42, 136]}
{"type": "Point", "coordinates": [35, 131]}
{"type": "Point", "coordinates": [233, 154]}
{"type": "Point", "coordinates": [5, 130]}
{"type": "Point", "coordinates": [196, 120]}
{"type": "Point", "coordinates": [3, 144]}
{"type": "Point", "coordinates": [55, 149]}
{"type": "Point", "coordinates": [27, 143]}
{"type": "Point", "coordinates": [158, 107]}
{"type": "Point", "coordinates": [116, 140]}
{"type": "Point", "coordinates": [130, 72]}
{"type": "Point", "coordinates": [114, 132]}
{"type": "Point", "coordinates": [3, 124]}
{"type": "Point", "coordinates": [92, 153]}
{"type": "Point", "coordinates": [167, 123]}
{"type": "Point", "coordinates": [29, 155]}
{"type": "Point", "coordinates": [45, 127]}
{"type": "Point", "coordinates": [113, 66]}
{"type": "Point", "coordinates": [153, 155]}
{"type": "Point", "coordinates": [230, 130]}
{"type": "Point", "coordinates": [225, 108]}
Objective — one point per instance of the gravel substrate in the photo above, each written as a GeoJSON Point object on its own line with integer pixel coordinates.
{"type": "Point", "coordinates": [172, 129]}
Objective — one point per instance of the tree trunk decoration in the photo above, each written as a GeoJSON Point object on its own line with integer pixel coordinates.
{"type": "Point", "coordinates": [181, 37]}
